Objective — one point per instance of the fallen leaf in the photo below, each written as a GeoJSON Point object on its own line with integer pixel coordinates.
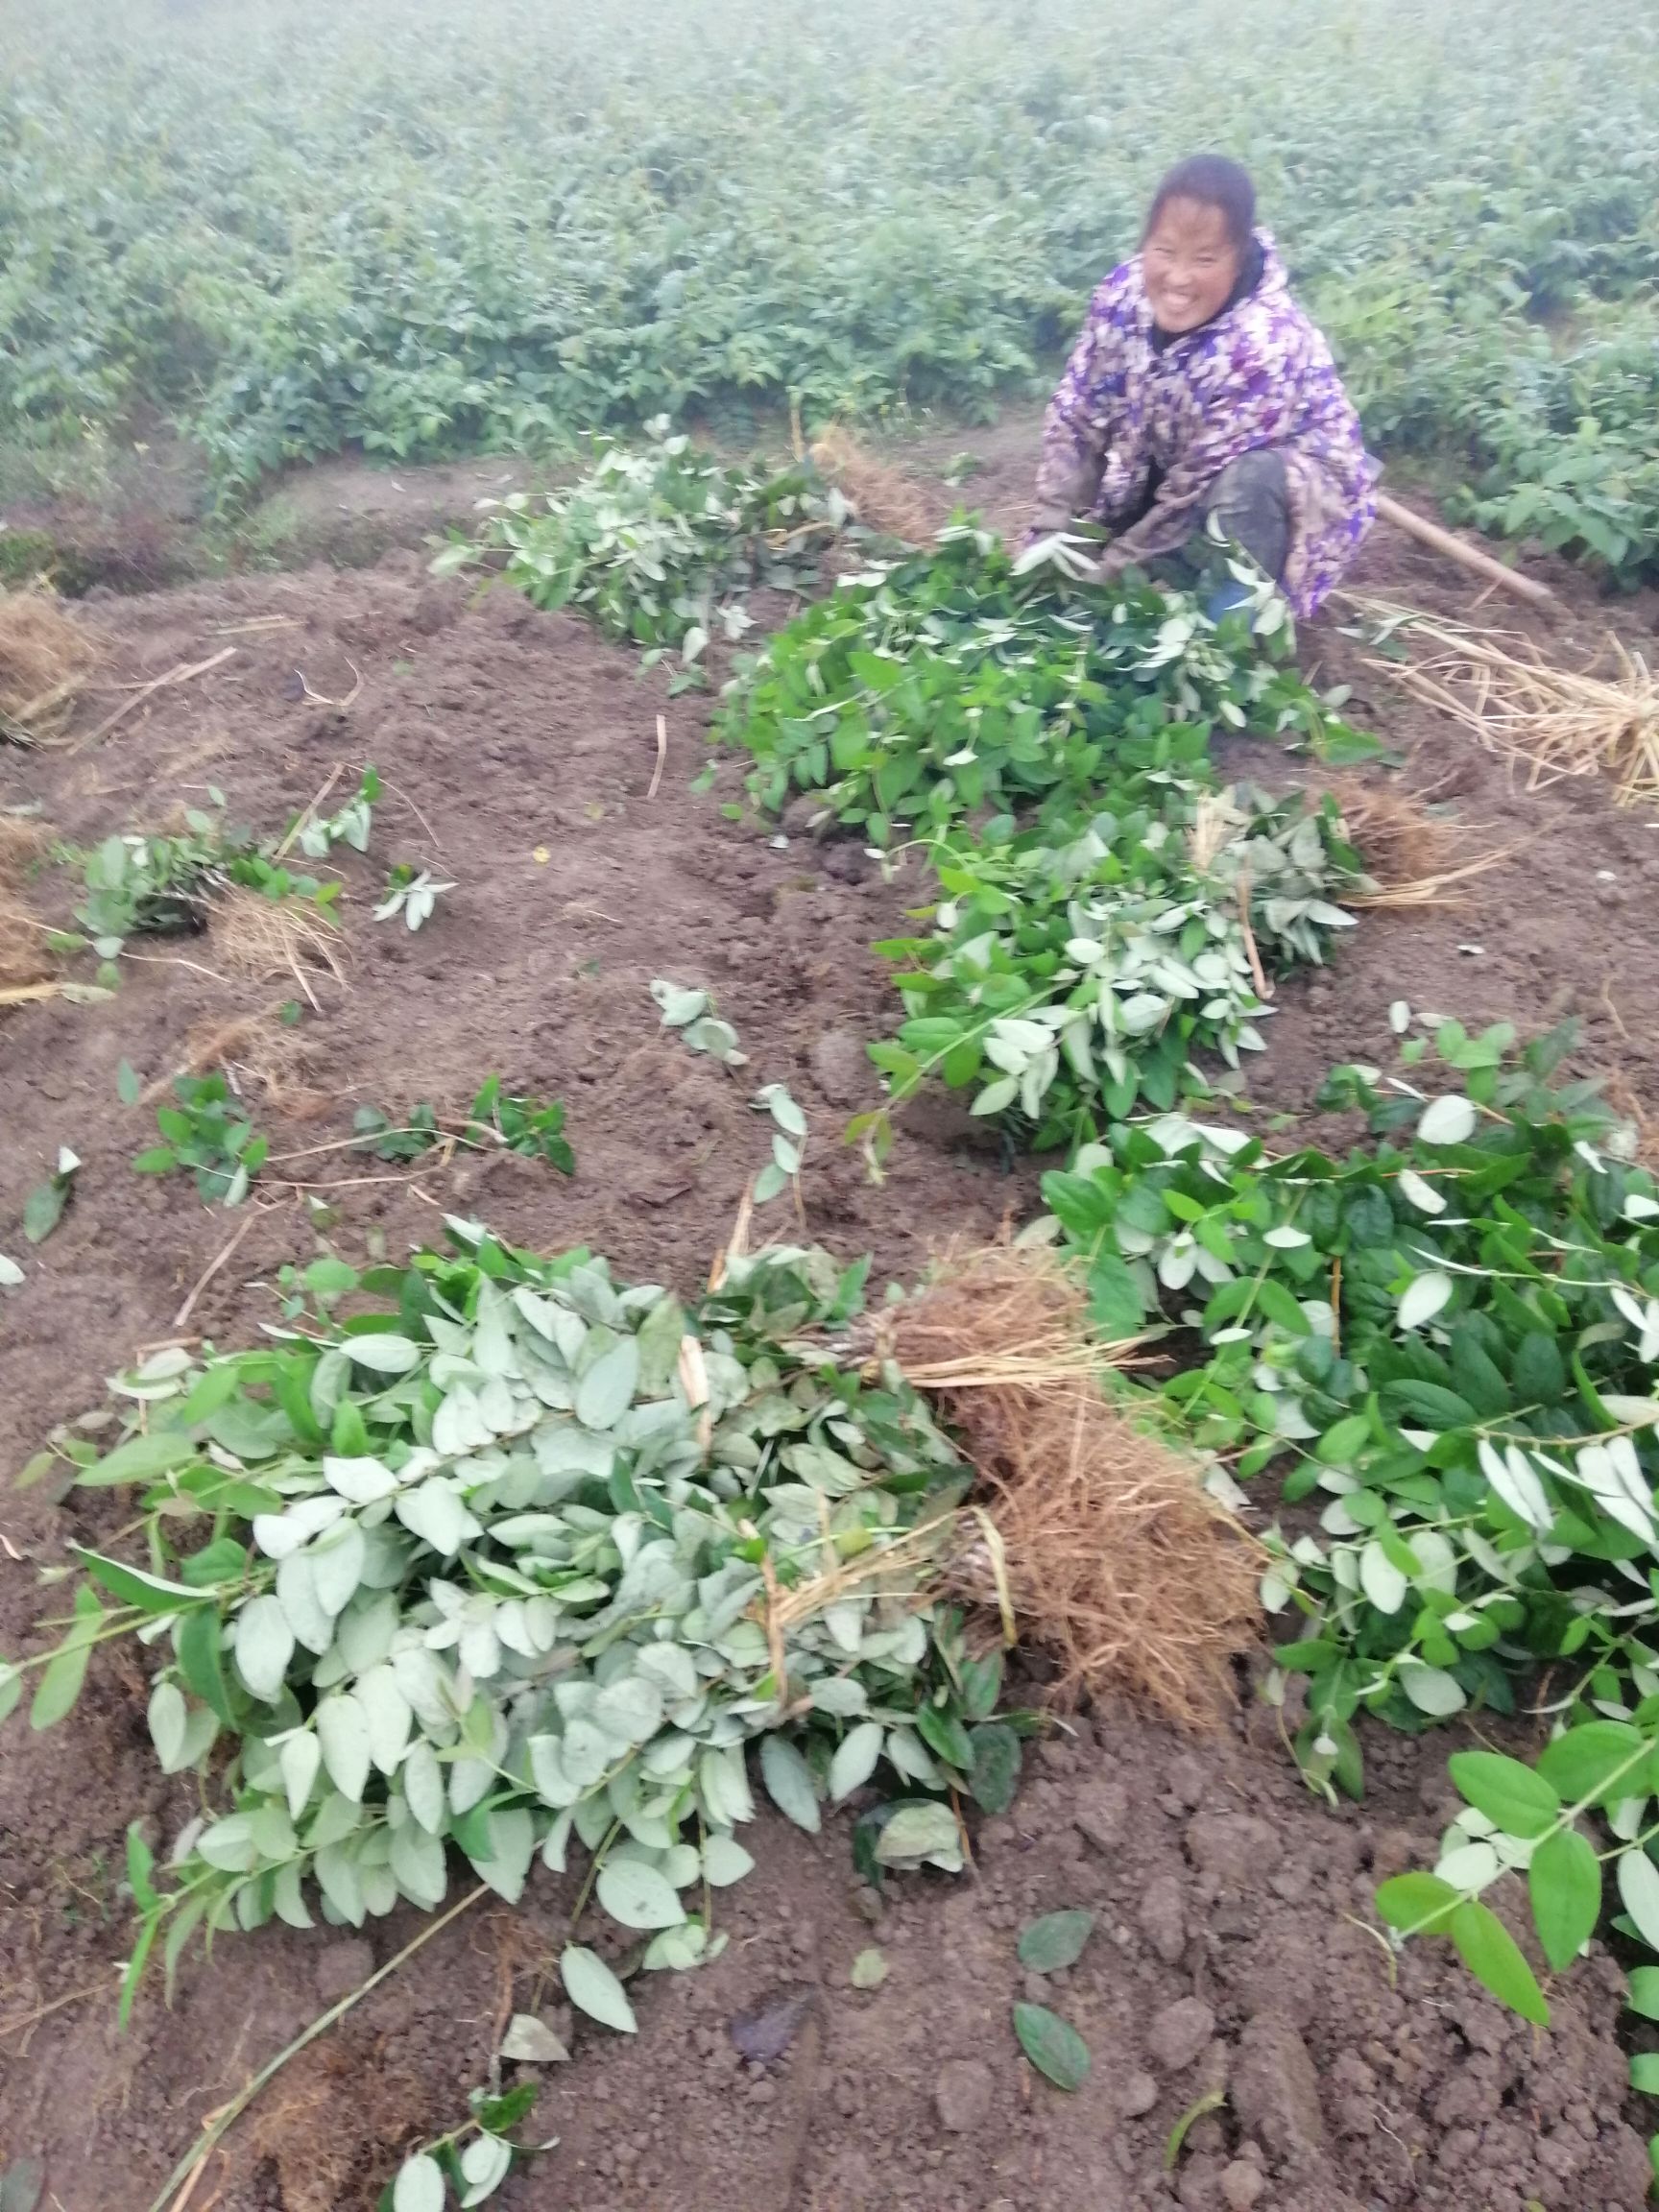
{"type": "Point", "coordinates": [764, 2035]}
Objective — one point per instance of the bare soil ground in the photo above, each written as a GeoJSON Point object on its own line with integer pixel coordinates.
{"type": "Point", "coordinates": [1233, 1949]}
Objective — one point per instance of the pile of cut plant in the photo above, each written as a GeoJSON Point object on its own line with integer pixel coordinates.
{"type": "Point", "coordinates": [1446, 1345]}
{"type": "Point", "coordinates": [1110, 911]}
{"type": "Point", "coordinates": [660, 543]}
{"type": "Point", "coordinates": [493, 1558]}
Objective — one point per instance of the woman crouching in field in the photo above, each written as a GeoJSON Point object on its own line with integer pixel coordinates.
{"type": "Point", "coordinates": [1199, 389]}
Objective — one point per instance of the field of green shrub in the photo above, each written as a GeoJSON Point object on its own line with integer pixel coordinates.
{"type": "Point", "coordinates": [426, 229]}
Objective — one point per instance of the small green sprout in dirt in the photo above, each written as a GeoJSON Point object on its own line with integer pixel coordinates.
{"type": "Point", "coordinates": [44, 1208]}
{"type": "Point", "coordinates": [472, 2160]}
{"type": "Point", "coordinates": [405, 1138]}
{"type": "Point", "coordinates": [350, 826]}
{"type": "Point", "coordinates": [532, 1127]}
{"type": "Point", "coordinates": [788, 1140]}
{"type": "Point", "coordinates": [1212, 2100]}
{"type": "Point", "coordinates": [412, 893]}
{"type": "Point", "coordinates": [497, 1120]}
{"type": "Point", "coordinates": [208, 1136]}
{"type": "Point", "coordinates": [692, 1013]}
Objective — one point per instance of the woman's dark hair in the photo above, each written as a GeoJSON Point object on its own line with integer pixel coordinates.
{"type": "Point", "coordinates": [1213, 181]}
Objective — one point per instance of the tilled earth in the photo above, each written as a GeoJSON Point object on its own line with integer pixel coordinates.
{"type": "Point", "coordinates": [1233, 1951]}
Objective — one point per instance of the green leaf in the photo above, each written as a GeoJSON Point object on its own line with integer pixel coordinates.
{"type": "Point", "coordinates": [994, 1776]}
{"type": "Point", "coordinates": [724, 1861]}
{"type": "Point", "coordinates": [60, 1686]}
{"type": "Point", "coordinates": [1520, 1801]}
{"type": "Point", "coordinates": [149, 1593]}
{"type": "Point", "coordinates": [789, 1782]}
{"type": "Point", "coordinates": [855, 1760]}
{"type": "Point", "coordinates": [920, 1831]}
{"type": "Point", "coordinates": [140, 1862]}
{"type": "Point", "coordinates": [420, 2186]}
{"type": "Point", "coordinates": [1538, 1371]}
{"type": "Point", "coordinates": [593, 1988]}
{"type": "Point", "coordinates": [1052, 2045]}
{"type": "Point", "coordinates": [1564, 1881]}
{"type": "Point", "coordinates": [1114, 1302]}
{"type": "Point", "coordinates": [139, 1459]}
{"type": "Point", "coordinates": [1414, 1904]}
{"type": "Point", "coordinates": [1644, 2073]}
{"type": "Point", "coordinates": [943, 1734]}
{"type": "Point", "coordinates": [44, 1208]}
{"type": "Point", "coordinates": [21, 2185]}
{"type": "Point", "coordinates": [607, 1390]}
{"type": "Point", "coordinates": [981, 1685]}
{"type": "Point", "coordinates": [1492, 1956]}
{"type": "Point", "coordinates": [636, 1896]}
{"type": "Point", "coordinates": [128, 1087]}
{"type": "Point", "coordinates": [1595, 1763]}
{"type": "Point", "coordinates": [1056, 1940]}
{"type": "Point", "coordinates": [1642, 1994]}
{"type": "Point", "coordinates": [1639, 1889]}
{"type": "Point", "coordinates": [869, 1970]}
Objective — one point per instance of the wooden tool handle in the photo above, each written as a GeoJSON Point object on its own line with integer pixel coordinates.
{"type": "Point", "coordinates": [1469, 557]}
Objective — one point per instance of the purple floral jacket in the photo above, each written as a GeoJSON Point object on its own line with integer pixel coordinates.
{"type": "Point", "coordinates": [1258, 375]}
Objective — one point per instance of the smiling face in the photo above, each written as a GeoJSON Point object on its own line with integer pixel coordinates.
{"type": "Point", "coordinates": [1190, 263]}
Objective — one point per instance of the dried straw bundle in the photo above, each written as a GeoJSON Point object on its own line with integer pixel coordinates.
{"type": "Point", "coordinates": [1397, 837]}
{"type": "Point", "coordinates": [1561, 722]}
{"type": "Point", "coordinates": [1112, 1557]}
{"type": "Point", "coordinates": [1408, 854]}
{"type": "Point", "coordinates": [23, 955]}
{"type": "Point", "coordinates": [260, 937]}
{"type": "Point", "coordinates": [882, 497]}
{"type": "Point", "coordinates": [44, 657]}
{"type": "Point", "coordinates": [24, 959]}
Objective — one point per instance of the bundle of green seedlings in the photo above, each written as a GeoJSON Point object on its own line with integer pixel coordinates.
{"type": "Point", "coordinates": [1450, 1336]}
{"type": "Point", "coordinates": [962, 678]}
{"type": "Point", "coordinates": [660, 543]}
{"type": "Point", "coordinates": [524, 1557]}
{"type": "Point", "coordinates": [532, 1127]}
{"type": "Point", "coordinates": [206, 1132]}
{"type": "Point", "coordinates": [168, 884]}
{"type": "Point", "coordinates": [1075, 969]}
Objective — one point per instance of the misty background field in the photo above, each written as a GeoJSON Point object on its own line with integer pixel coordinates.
{"type": "Point", "coordinates": [283, 229]}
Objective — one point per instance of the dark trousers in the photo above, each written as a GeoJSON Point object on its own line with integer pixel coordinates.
{"type": "Point", "coordinates": [1250, 502]}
